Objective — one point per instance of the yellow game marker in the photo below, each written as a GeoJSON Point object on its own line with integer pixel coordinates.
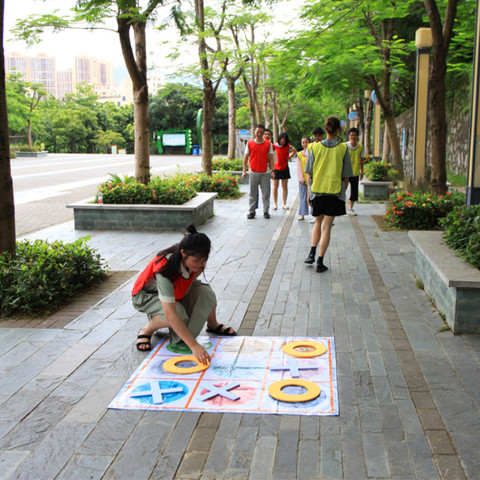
{"type": "Point", "coordinates": [275, 390]}
{"type": "Point", "coordinates": [318, 349]}
{"type": "Point", "coordinates": [171, 365]}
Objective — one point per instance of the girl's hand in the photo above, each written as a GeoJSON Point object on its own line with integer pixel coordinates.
{"type": "Point", "coordinates": [302, 181]}
{"type": "Point", "coordinates": [201, 354]}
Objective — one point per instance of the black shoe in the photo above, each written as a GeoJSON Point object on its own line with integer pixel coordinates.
{"type": "Point", "coordinates": [266, 215]}
{"type": "Point", "coordinates": [250, 216]}
{"type": "Point", "coordinates": [310, 259]}
{"type": "Point", "coordinates": [321, 268]}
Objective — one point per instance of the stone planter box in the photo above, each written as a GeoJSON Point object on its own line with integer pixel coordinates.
{"type": "Point", "coordinates": [44, 153]}
{"type": "Point", "coordinates": [376, 190]}
{"type": "Point", "coordinates": [452, 283]}
{"type": "Point", "coordinates": [147, 218]}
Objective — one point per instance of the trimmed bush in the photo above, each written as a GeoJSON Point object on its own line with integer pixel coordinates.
{"type": "Point", "coordinates": [160, 190]}
{"type": "Point", "coordinates": [222, 183]}
{"type": "Point", "coordinates": [420, 210]}
{"type": "Point", "coordinates": [222, 163]}
{"type": "Point", "coordinates": [462, 232]}
{"type": "Point", "coordinates": [41, 276]}
{"type": "Point", "coordinates": [380, 171]}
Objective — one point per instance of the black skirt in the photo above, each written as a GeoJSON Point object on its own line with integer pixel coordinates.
{"type": "Point", "coordinates": [282, 174]}
{"type": "Point", "coordinates": [329, 205]}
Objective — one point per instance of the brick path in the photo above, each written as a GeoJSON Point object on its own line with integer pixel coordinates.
{"type": "Point", "coordinates": [409, 393]}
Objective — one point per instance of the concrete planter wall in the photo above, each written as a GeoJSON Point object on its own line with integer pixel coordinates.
{"type": "Point", "coordinates": [452, 283]}
{"type": "Point", "coordinates": [376, 190]}
{"type": "Point", "coordinates": [31, 154]}
{"type": "Point", "coordinates": [148, 218]}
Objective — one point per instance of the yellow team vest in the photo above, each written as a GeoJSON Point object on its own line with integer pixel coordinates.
{"type": "Point", "coordinates": [327, 168]}
{"type": "Point", "coordinates": [303, 163]}
{"type": "Point", "coordinates": [355, 158]}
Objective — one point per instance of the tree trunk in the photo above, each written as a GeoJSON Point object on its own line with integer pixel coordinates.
{"type": "Point", "coordinates": [251, 103]}
{"type": "Point", "coordinates": [266, 118]}
{"type": "Point", "coordinates": [7, 209]}
{"type": "Point", "coordinates": [29, 132]}
{"type": "Point", "coordinates": [438, 131]}
{"type": "Point", "coordinates": [274, 116]}
{"type": "Point", "coordinates": [209, 95]}
{"type": "Point", "coordinates": [438, 67]}
{"type": "Point", "coordinates": [232, 140]}
{"type": "Point", "coordinates": [137, 69]}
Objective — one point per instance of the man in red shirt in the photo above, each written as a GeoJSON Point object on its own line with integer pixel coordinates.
{"type": "Point", "coordinates": [259, 154]}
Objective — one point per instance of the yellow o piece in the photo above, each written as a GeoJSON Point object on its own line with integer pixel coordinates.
{"type": "Point", "coordinates": [170, 365]}
{"type": "Point", "coordinates": [318, 349]}
{"type": "Point", "coordinates": [275, 390]}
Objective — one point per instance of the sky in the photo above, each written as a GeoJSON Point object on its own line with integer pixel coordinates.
{"type": "Point", "coordinates": [101, 44]}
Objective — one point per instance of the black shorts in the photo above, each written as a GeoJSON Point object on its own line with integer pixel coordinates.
{"type": "Point", "coordinates": [282, 174]}
{"type": "Point", "coordinates": [354, 188]}
{"type": "Point", "coordinates": [329, 205]}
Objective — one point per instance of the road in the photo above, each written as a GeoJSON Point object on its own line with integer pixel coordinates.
{"type": "Point", "coordinates": [43, 187]}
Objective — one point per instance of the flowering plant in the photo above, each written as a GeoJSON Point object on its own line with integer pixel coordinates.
{"type": "Point", "coordinates": [420, 210]}
{"type": "Point", "coordinates": [378, 171]}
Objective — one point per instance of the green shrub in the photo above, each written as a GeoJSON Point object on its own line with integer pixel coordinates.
{"type": "Point", "coordinates": [377, 171]}
{"type": "Point", "coordinates": [223, 183]}
{"type": "Point", "coordinates": [420, 210]}
{"type": "Point", "coordinates": [41, 276]}
{"type": "Point", "coordinates": [462, 232]}
{"type": "Point", "coordinates": [160, 190]}
{"type": "Point", "coordinates": [367, 159]}
{"type": "Point", "coordinates": [222, 163]}
{"type": "Point", "coordinates": [26, 148]}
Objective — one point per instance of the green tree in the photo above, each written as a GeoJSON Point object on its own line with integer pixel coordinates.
{"type": "Point", "coordinates": [130, 18]}
{"type": "Point", "coordinates": [442, 36]}
{"type": "Point", "coordinates": [103, 140]}
{"type": "Point", "coordinates": [7, 209]}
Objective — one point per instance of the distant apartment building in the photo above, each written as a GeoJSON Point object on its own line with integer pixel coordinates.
{"type": "Point", "coordinates": [91, 71]}
{"type": "Point", "coordinates": [40, 69]}
{"type": "Point", "coordinates": [64, 83]}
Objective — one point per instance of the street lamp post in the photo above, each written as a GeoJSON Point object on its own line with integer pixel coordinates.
{"type": "Point", "coordinates": [473, 181]}
{"type": "Point", "coordinates": [377, 110]}
{"type": "Point", "coordinates": [423, 42]}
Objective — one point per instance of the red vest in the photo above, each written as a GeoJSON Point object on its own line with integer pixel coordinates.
{"type": "Point", "coordinates": [258, 155]}
{"type": "Point", "coordinates": [281, 158]}
{"type": "Point", "coordinates": [180, 284]}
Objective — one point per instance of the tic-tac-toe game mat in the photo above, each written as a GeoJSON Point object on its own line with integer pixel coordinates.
{"type": "Point", "coordinates": [268, 375]}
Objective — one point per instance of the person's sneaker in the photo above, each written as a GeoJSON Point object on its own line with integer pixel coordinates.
{"type": "Point", "coordinates": [250, 216]}
{"type": "Point", "coordinates": [310, 259]}
{"type": "Point", "coordinates": [266, 215]}
{"type": "Point", "coordinates": [321, 268]}
{"type": "Point", "coordinates": [352, 212]}
{"type": "Point", "coordinates": [301, 217]}
{"type": "Point", "coordinates": [312, 220]}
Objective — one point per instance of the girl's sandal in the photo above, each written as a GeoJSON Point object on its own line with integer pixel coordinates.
{"type": "Point", "coordinates": [147, 346]}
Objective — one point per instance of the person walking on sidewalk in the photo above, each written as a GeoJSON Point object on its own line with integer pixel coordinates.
{"type": "Point", "coordinates": [355, 149]}
{"type": "Point", "coordinates": [329, 168]}
{"type": "Point", "coordinates": [302, 178]}
{"type": "Point", "coordinates": [259, 154]}
{"type": "Point", "coordinates": [283, 153]}
{"type": "Point", "coordinates": [169, 292]}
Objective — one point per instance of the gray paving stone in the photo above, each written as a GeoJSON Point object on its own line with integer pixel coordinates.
{"type": "Point", "coordinates": [376, 455]}
{"type": "Point", "coordinates": [9, 462]}
{"type": "Point", "coordinates": [81, 467]}
{"type": "Point", "coordinates": [57, 447]}
{"type": "Point", "coordinates": [263, 458]}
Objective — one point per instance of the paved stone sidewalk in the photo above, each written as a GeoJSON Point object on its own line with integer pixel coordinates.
{"type": "Point", "coordinates": [409, 393]}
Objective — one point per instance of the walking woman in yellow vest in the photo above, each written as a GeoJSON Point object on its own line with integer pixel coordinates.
{"type": "Point", "coordinates": [328, 169]}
